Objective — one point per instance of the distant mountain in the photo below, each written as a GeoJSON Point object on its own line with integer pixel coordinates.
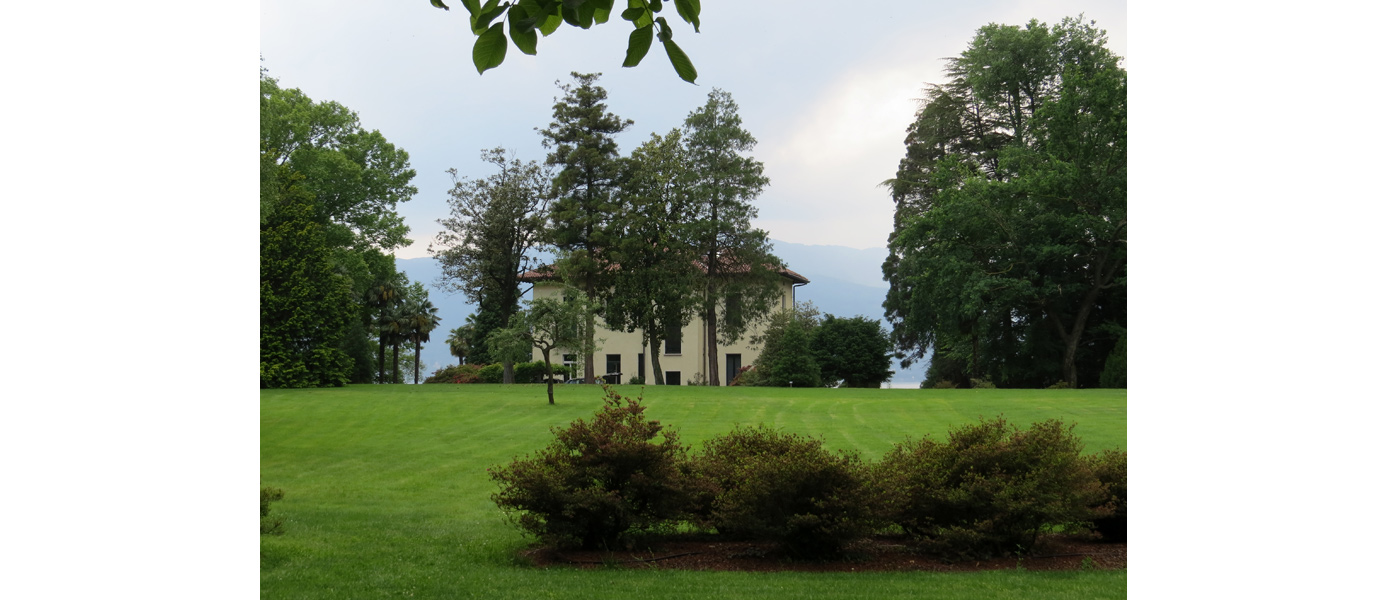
{"type": "Point", "coordinates": [846, 282]}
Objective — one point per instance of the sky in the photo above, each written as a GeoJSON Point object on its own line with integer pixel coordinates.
{"type": "Point", "coordinates": [826, 91]}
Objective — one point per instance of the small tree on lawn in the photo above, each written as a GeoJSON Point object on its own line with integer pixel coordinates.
{"type": "Point", "coordinates": [551, 323]}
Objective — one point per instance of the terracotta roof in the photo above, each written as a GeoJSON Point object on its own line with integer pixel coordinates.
{"type": "Point", "coordinates": [546, 273]}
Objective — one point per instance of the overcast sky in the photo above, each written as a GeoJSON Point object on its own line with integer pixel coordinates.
{"type": "Point", "coordinates": [826, 91]}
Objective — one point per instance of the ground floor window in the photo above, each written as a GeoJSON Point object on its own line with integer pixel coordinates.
{"type": "Point", "coordinates": [673, 378]}
{"type": "Point", "coordinates": [614, 363]}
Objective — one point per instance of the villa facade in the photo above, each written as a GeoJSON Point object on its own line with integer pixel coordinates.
{"type": "Point", "coordinates": [683, 359]}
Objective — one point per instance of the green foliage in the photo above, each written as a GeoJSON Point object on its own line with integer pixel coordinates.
{"type": "Point", "coordinates": [853, 351]}
{"type": "Point", "coordinates": [1115, 369]}
{"type": "Point", "coordinates": [484, 244]}
{"type": "Point", "coordinates": [598, 483]}
{"type": "Point", "coordinates": [587, 189]}
{"type": "Point", "coordinates": [551, 323]}
{"type": "Point", "coordinates": [492, 373]}
{"type": "Point", "coordinates": [738, 264]}
{"type": "Point", "coordinates": [533, 372]}
{"type": "Point", "coordinates": [328, 192]}
{"type": "Point", "coordinates": [636, 380]}
{"type": "Point", "coordinates": [460, 374]}
{"type": "Point", "coordinates": [991, 489]}
{"type": "Point", "coordinates": [526, 20]}
{"type": "Point", "coordinates": [1009, 252]}
{"type": "Point", "coordinates": [757, 483]}
{"type": "Point", "coordinates": [268, 524]}
{"type": "Point", "coordinates": [983, 384]}
{"type": "Point", "coordinates": [786, 359]}
{"type": "Point", "coordinates": [1111, 469]}
{"type": "Point", "coordinates": [660, 286]}
{"type": "Point", "coordinates": [305, 304]}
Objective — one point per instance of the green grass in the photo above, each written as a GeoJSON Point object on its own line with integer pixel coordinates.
{"type": "Point", "coordinates": [387, 494]}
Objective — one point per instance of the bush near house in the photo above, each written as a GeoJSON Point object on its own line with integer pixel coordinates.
{"type": "Point", "coordinates": [1111, 469]}
{"type": "Point", "coordinates": [757, 483]}
{"type": "Point", "coordinates": [600, 483]}
{"type": "Point", "coordinates": [991, 489]}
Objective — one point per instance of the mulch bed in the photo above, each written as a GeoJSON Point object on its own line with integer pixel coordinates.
{"type": "Point", "coordinates": [884, 553]}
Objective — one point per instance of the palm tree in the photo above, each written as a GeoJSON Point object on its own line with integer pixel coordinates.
{"type": "Point", "coordinates": [380, 297]}
{"type": "Point", "coordinates": [459, 341]}
{"type": "Point", "coordinates": [393, 329]}
{"type": "Point", "coordinates": [422, 320]}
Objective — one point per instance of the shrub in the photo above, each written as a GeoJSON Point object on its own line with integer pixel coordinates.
{"type": "Point", "coordinates": [598, 483]}
{"type": "Point", "coordinates": [755, 483]}
{"type": "Point", "coordinates": [983, 384]}
{"type": "Point", "coordinates": [456, 374]}
{"type": "Point", "coordinates": [636, 380]}
{"type": "Point", "coordinates": [745, 376]}
{"type": "Point", "coordinates": [270, 525]}
{"type": "Point", "coordinates": [533, 372]}
{"type": "Point", "coordinates": [991, 489]}
{"type": "Point", "coordinates": [942, 384]}
{"type": "Point", "coordinates": [1111, 469]}
{"type": "Point", "coordinates": [493, 373]}
{"type": "Point", "coordinates": [1059, 385]}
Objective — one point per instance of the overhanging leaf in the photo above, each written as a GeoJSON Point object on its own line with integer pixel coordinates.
{"type": "Point", "coordinates": [689, 11]}
{"type": "Point", "coordinates": [602, 10]}
{"type": "Point", "coordinates": [488, 14]}
{"type": "Point", "coordinates": [551, 23]}
{"type": "Point", "coordinates": [438, 3]}
{"type": "Point", "coordinates": [525, 39]}
{"type": "Point", "coordinates": [637, 46]}
{"type": "Point", "coordinates": [680, 61]}
{"type": "Point", "coordinates": [665, 34]}
{"type": "Point", "coordinates": [490, 49]}
{"type": "Point", "coordinates": [473, 6]}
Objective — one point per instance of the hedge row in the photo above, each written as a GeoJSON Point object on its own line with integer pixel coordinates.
{"type": "Point", "coordinates": [525, 372]}
{"type": "Point", "coordinates": [990, 489]}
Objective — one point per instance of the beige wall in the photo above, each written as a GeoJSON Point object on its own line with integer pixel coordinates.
{"type": "Point", "coordinates": [690, 362]}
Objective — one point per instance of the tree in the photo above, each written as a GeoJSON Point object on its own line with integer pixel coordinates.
{"type": "Point", "coordinates": [586, 188]}
{"type": "Point", "coordinates": [356, 177]}
{"type": "Point", "coordinates": [786, 358]}
{"type": "Point", "coordinates": [551, 323]}
{"type": "Point", "coordinates": [304, 303]}
{"type": "Point", "coordinates": [657, 289]}
{"type": "Point", "coordinates": [738, 265]}
{"type": "Point", "coordinates": [351, 181]}
{"type": "Point", "coordinates": [484, 246]}
{"type": "Point", "coordinates": [459, 339]}
{"type": "Point", "coordinates": [526, 20]}
{"type": "Point", "coordinates": [1008, 256]}
{"type": "Point", "coordinates": [380, 298]}
{"type": "Point", "coordinates": [422, 320]}
{"type": "Point", "coordinates": [508, 346]}
{"type": "Point", "coordinates": [852, 351]}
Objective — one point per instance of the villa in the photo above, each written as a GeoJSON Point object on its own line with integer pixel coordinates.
{"type": "Point", "coordinates": [622, 355]}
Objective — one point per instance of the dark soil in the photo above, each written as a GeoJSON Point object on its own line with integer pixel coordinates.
{"type": "Point", "coordinates": [884, 553]}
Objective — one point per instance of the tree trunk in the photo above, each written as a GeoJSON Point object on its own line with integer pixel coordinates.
{"type": "Point", "coordinates": [398, 378]}
{"type": "Point", "coordinates": [656, 374]}
{"type": "Point", "coordinates": [382, 341]}
{"type": "Point", "coordinates": [590, 330]}
{"type": "Point", "coordinates": [417, 353]}
{"type": "Point", "coordinates": [549, 377]}
{"type": "Point", "coordinates": [507, 371]}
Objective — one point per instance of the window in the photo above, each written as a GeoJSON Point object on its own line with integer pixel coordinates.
{"type": "Point", "coordinates": [642, 366]}
{"type": "Point", "coordinates": [614, 363]}
{"type": "Point", "coordinates": [569, 361]}
{"type": "Point", "coordinates": [673, 378]}
{"type": "Point", "coordinates": [673, 338]}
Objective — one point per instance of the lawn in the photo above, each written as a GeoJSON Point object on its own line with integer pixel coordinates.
{"type": "Point", "coordinates": [387, 494]}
